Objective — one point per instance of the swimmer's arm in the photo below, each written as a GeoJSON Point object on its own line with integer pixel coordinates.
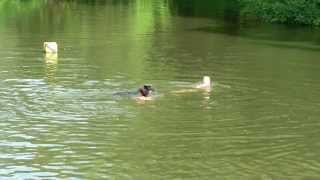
{"type": "Point", "coordinates": [184, 91]}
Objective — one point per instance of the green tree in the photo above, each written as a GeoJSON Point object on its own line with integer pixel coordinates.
{"type": "Point", "coordinates": [283, 11]}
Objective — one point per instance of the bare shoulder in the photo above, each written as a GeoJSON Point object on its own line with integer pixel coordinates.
{"type": "Point", "coordinates": [143, 98]}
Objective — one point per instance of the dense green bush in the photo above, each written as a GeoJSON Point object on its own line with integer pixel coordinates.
{"type": "Point", "coordinates": [283, 11]}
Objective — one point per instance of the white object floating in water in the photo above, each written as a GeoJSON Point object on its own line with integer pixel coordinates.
{"type": "Point", "coordinates": [50, 47]}
{"type": "Point", "coordinates": [206, 83]}
{"type": "Point", "coordinates": [51, 58]}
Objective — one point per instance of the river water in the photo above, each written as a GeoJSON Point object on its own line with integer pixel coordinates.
{"type": "Point", "coordinates": [59, 118]}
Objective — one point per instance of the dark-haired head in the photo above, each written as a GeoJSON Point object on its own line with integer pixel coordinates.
{"type": "Point", "coordinates": [146, 90]}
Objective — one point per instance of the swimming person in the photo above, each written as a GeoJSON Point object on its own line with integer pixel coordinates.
{"type": "Point", "coordinates": [145, 92]}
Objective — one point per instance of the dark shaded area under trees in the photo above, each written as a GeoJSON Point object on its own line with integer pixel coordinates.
{"type": "Point", "coordinates": [302, 12]}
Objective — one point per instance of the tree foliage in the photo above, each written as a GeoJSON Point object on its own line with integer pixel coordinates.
{"type": "Point", "coordinates": [284, 11]}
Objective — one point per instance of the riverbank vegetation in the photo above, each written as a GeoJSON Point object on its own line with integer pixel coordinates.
{"type": "Point", "coordinates": [306, 12]}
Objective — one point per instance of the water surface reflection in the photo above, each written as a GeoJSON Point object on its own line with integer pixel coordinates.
{"type": "Point", "coordinates": [59, 118]}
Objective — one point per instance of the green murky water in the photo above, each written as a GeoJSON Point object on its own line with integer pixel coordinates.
{"type": "Point", "coordinates": [59, 117]}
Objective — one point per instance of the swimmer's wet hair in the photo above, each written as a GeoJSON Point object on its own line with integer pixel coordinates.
{"type": "Point", "coordinates": [148, 87]}
{"type": "Point", "coordinates": [145, 90]}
